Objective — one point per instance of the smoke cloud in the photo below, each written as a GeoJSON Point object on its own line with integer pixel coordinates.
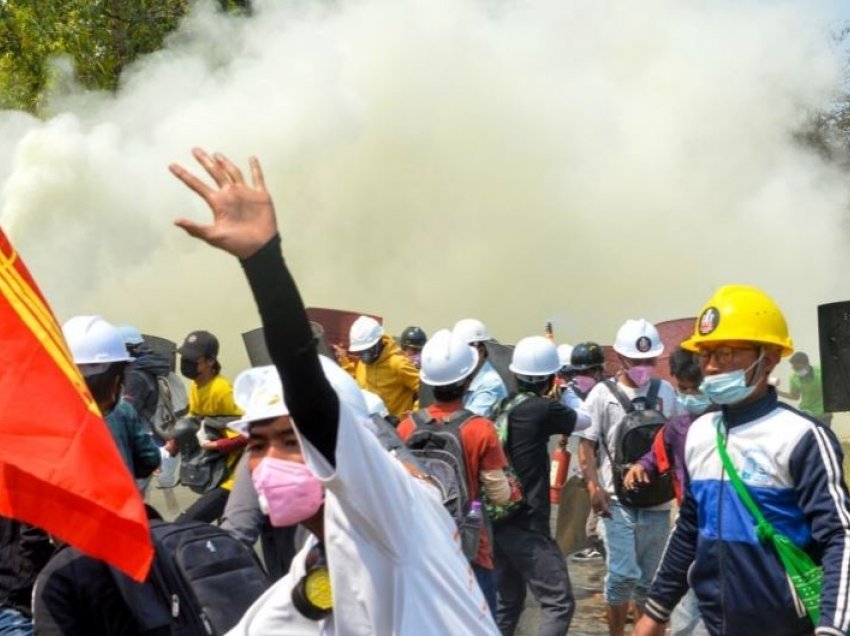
{"type": "Point", "coordinates": [430, 160]}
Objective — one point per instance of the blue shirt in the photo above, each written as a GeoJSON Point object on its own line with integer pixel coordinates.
{"type": "Point", "coordinates": [485, 391]}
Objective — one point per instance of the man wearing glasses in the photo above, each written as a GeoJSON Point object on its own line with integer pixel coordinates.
{"type": "Point", "coordinates": [788, 462]}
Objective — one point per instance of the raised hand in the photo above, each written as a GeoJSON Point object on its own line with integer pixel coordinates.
{"type": "Point", "coordinates": [243, 215]}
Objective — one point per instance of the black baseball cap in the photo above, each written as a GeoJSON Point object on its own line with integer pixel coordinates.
{"type": "Point", "coordinates": [199, 344]}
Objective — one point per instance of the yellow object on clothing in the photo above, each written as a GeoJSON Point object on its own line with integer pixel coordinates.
{"type": "Point", "coordinates": [393, 377]}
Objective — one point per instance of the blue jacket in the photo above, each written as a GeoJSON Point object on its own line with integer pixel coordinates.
{"type": "Point", "coordinates": [134, 441]}
{"type": "Point", "coordinates": [485, 391]}
{"type": "Point", "coordinates": [792, 467]}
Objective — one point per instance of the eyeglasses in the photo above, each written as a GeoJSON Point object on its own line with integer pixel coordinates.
{"type": "Point", "coordinates": [722, 355]}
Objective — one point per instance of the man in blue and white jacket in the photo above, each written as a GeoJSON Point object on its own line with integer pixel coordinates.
{"type": "Point", "coordinates": [792, 467]}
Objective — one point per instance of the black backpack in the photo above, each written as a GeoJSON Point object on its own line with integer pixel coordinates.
{"type": "Point", "coordinates": [201, 582]}
{"type": "Point", "coordinates": [438, 448]}
{"type": "Point", "coordinates": [635, 435]}
{"type": "Point", "coordinates": [204, 575]}
{"type": "Point", "coordinates": [202, 470]}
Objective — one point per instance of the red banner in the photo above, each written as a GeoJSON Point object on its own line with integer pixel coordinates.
{"type": "Point", "coordinates": [60, 469]}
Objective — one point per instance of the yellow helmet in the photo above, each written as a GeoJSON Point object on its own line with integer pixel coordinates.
{"type": "Point", "coordinates": [740, 312]}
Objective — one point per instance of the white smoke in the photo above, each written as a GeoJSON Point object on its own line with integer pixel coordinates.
{"type": "Point", "coordinates": [437, 159]}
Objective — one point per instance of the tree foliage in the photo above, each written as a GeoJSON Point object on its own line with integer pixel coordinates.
{"type": "Point", "coordinates": [100, 36]}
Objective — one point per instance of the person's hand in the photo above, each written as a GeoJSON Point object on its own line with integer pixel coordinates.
{"type": "Point", "coordinates": [599, 500]}
{"type": "Point", "coordinates": [171, 447]}
{"type": "Point", "coordinates": [635, 477]}
{"type": "Point", "coordinates": [243, 215]}
{"type": "Point", "coordinates": [340, 353]}
{"type": "Point", "coordinates": [648, 626]}
{"type": "Point", "coordinates": [208, 445]}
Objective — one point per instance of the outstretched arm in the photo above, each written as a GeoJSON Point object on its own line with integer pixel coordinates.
{"type": "Point", "coordinates": [245, 226]}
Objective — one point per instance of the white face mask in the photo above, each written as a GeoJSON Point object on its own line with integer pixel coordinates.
{"type": "Point", "coordinates": [801, 373]}
{"type": "Point", "coordinates": [731, 387]}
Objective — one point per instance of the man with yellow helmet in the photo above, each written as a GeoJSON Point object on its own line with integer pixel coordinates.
{"type": "Point", "coordinates": [789, 465]}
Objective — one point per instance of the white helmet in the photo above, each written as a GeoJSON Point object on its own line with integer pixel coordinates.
{"type": "Point", "coordinates": [472, 330]}
{"type": "Point", "coordinates": [535, 356]}
{"type": "Point", "coordinates": [365, 333]}
{"type": "Point", "coordinates": [258, 391]}
{"type": "Point", "coordinates": [639, 340]}
{"type": "Point", "coordinates": [94, 344]}
{"type": "Point", "coordinates": [446, 359]}
{"type": "Point", "coordinates": [565, 354]}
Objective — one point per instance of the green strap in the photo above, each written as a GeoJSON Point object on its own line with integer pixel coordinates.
{"type": "Point", "coordinates": [764, 529]}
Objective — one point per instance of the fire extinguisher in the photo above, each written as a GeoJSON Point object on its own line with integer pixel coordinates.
{"type": "Point", "coordinates": [558, 473]}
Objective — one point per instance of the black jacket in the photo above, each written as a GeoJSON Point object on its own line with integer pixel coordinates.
{"type": "Point", "coordinates": [530, 425]}
{"type": "Point", "coordinates": [24, 550]}
{"type": "Point", "coordinates": [140, 383]}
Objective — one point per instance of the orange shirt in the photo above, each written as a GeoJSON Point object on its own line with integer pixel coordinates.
{"type": "Point", "coordinates": [482, 451]}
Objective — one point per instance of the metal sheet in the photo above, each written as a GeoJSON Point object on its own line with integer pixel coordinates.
{"type": "Point", "coordinates": [258, 353]}
{"type": "Point", "coordinates": [163, 347]}
{"type": "Point", "coordinates": [336, 323]}
{"type": "Point", "coordinates": [834, 340]}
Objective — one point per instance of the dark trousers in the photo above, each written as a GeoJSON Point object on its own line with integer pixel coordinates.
{"type": "Point", "coordinates": [208, 508]}
{"type": "Point", "coordinates": [528, 558]}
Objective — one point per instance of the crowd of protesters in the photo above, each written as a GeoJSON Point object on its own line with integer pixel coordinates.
{"type": "Point", "coordinates": [404, 487]}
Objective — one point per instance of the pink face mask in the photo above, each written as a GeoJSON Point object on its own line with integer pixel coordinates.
{"type": "Point", "coordinates": [584, 383]}
{"type": "Point", "coordinates": [289, 493]}
{"type": "Point", "coordinates": [640, 374]}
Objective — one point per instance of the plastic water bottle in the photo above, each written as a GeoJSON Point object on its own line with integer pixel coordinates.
{"type": "Point", "coordinates": [474, 512]}
{"type": "Point", "coordinates": [471, 531]}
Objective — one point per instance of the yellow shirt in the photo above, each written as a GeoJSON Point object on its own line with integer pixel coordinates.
{"type": "Point", "coordinates": [392, 377]}
{"type": "Point", "coordinates": [215, 398]}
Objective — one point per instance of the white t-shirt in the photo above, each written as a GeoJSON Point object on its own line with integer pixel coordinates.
{"type": "Point", "coordinates": [606, 413]}
{"type": "Point", "coordinates": [395, 560]}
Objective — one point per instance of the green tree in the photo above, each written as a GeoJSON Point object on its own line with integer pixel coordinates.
{"type": "Point", "coordinates": [100, 36]}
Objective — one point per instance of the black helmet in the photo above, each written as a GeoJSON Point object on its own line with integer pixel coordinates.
{"type": "Point", "coordinates": [413, 337]}
{"type": "Point", "coordinates": [587, 355]}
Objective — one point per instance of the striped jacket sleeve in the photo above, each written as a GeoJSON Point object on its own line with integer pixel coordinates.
{"type": "Point", "coordinates": [671, 581]}
{"type": "Point", "coordinates": [816, 468]}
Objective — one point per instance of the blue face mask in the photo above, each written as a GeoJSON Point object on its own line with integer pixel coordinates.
{"type": "Point", "coordinates": [695, 404]}
{"type": "Point", "coordinates": [729, 388]}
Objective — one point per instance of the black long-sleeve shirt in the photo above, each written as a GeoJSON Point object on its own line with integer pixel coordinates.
{"type": "Point", "coordinates": [311, 400]}
{"type": "Point", "coordinates": [531, 425]}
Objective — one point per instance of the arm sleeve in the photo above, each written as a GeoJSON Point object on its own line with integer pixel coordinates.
{"type": "Point", "coordinates": [406, 372]}
{"type": "Point", "coordinates": [312, 401]}
{"type": "Point", "coordinates": [671, 580]}
{"type": "Point", "coordinates": [495, 484]}
{"type": "Point", "coordinates": [242, 515]}
{"type": "Point", "coordinates": [591, 409]}
{"type": "Point", "coordinates": [650, 463]}
{"type": "Point", "coordinates": [483, 401]}
{"type": "Point", "coordinates": [146, 455]}
{"type": "Point", "coordinates": [227, 445]}
{"type": "Point", "coordinates": [560, 419]}
{"type": "Point", "coordinates": [816, 468]}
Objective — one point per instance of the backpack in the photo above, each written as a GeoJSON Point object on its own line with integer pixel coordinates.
{"type": "Point", "coordinates": [634, 438]}
{"type": "Point", "coordinates": [204, 576]}
{"type": "Point", "coordinates": [202, 470]}
{"type": "Point", "coordinates": [172, 403]}
{"type": "Point", "coordinates": [499, 513]}
{"type": "Point", "coordinates": [438, 448]}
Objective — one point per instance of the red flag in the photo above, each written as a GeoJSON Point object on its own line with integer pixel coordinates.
{"type": "Point", "coordinates": [60, 469]}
